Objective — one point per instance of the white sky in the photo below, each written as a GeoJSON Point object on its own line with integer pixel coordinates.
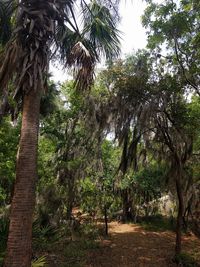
{"type": "Point", "coordinates": [133, 33]}
{"type": "Point", "coordinates": [133, 36]}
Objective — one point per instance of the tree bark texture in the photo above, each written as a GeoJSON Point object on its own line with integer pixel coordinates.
{"type": "Point", "coordinates": [125, 205]}
{"type": "Point", "coordinates": [19, 248]}
{"type": "Point", "coordinates": [180, 211]}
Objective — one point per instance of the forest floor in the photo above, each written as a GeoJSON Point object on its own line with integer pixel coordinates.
{"type": "Point", "coordinates": [130, 245]}
{"type": "Point", "coordinates": [148, 244]}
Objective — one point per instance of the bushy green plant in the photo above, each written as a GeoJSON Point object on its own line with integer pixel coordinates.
{"type": "Point", "coordinates": [44, 235]}
{"type": "Point", "coordinates": [90, 231]}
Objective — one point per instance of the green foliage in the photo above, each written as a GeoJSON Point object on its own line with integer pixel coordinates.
{"type": "Point", "coordinates": [40, 262]}
{"type": "Point", "coordinates": [186, 260]}
{"type": "Point", "coordinates": [4, 226]}
{"type": "Point", "coordinates": [50, 100]}
{"type": "Point", "coordinates": [90, 231]}
{"type": "Point", "coordinates": [46, 149]}
{"type": "Point", "coordinates": [146, 182]}
{"type": "Point", "coordinates": [89, 194]}
{"type": "Point", "coordinates": [158, 223]}
{"type": "Point", "coordinates": [44, 236]}
{"type": "Point", "coordinates": [9, 137]}
{"type": "Point", "coordinates": [151, 179]}
{"type": "Point", "coordinates": [100, 27]}
{"type": "Point", "coordinates": [75, 252]}
{"type": "Point", "coordinates": [97, 188]}
{"type": "Point", "coordinates": [6, 20]}
{"type": "Point", "coordinates": [193, 109]}
{"type": "Point", "coordinates": [142, 100]}
{"type": "Point", "coordinates": [174, 27]}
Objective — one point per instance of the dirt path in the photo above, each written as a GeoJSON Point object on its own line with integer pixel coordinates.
{"type": "Point", "coordinates": [131, 246]}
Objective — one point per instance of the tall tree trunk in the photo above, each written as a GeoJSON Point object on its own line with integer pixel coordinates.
{"type": "Point", "coordinates": [180, 211]}
{"type": "Point", "coordinates": [19, 248]}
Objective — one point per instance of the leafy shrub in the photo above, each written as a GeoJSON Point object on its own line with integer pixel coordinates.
{"type": "Point", "coordinates": [90, 231]}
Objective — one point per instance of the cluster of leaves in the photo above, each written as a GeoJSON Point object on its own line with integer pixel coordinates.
{"type": "Point", "coordinates": [9, 137]}
{"type": "Point", "coordinates": [97, 189]}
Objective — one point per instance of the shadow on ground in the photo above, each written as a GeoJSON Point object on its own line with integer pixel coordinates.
{"type": "Point", "coordinates": [131, 246]}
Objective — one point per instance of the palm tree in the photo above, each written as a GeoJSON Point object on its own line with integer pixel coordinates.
{"type": "Point", "coordinates": [44, 30]}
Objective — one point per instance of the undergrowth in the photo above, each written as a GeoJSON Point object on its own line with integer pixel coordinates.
{"type": "Point", "coordinates": [4, 226]}
{"type": "Point", "coordinates": [186, 260]}
{"type": "Point", "coordinates": [158, 223]}
{"type": "Point", "coordinates": [57, 243]}
{"type": "Point", "coordinates": [75, 252]}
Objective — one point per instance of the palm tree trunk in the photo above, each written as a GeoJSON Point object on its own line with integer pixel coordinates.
{"type": "Point", "coordinates": [19, 248]}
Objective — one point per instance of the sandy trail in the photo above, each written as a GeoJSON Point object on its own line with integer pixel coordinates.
{"type": "Point", "coordinates": [132, 246]}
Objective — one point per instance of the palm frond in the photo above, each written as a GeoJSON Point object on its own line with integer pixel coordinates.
{"type": "Point", "coordinates": [25, 57]}
{"type": "Point", "coordinates": [82, 50]}
{"type": "Point", "coordinates": [83, 61]}
{"type": "Point", "coordinates": [76, 53]}
{"type": "Point", "coordinates": [65, 41]}
{"type": "Point", "coordinates": [100, 29]}
{"type": "Point", "coordinates": [40, 262]}
{"type": "Point", "coordinates": [39, 24]}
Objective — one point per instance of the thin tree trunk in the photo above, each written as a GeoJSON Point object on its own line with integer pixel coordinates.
{"type": "Point", "coordinates": [180, 214]}
{"type": "Point", "coordinates": [106, 220]}
{"type": "Point", "coordinates": [70, 198]}
{"type": "Point", "coordinates": [69, 207]}
{"type": "Point", "coordinates": [125, 205]}
{"type": "Point", "coordinates": [69, 210]}
{"type": "Point", "coordinates": [19, 249]}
